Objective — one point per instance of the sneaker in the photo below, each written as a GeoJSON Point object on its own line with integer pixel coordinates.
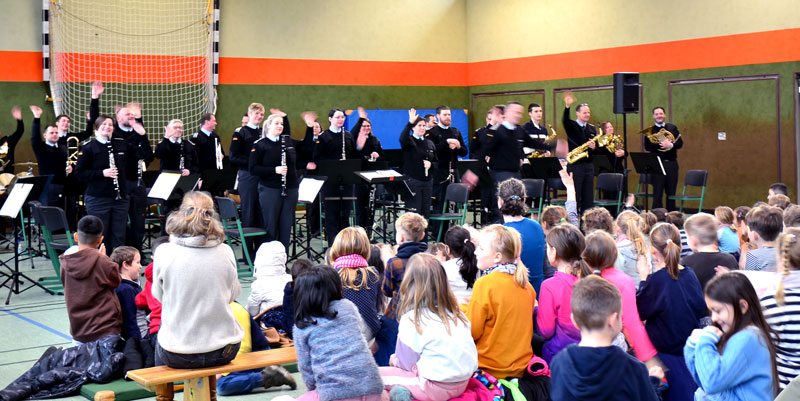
{"type": "Point", "coordinates": [399, 393]}
{"type": "Point", "coordinates": [275, 376]}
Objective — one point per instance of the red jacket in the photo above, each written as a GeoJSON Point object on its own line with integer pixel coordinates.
{"type": "Point", "coordinates": [145, 300]}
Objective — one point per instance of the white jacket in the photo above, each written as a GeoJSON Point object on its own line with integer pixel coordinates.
{"type": "Point", "coordinates": [270, 278]}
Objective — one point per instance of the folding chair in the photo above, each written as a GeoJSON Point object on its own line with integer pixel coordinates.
{"type": "Point", "coordinates": [233, 228]}
{"type": "Point", "coordinates": [694, 178]}
{"type": "Point", "coordinates": [457, 193]}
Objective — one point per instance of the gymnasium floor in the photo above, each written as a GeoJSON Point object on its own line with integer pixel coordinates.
{"type": "Point", "coordinates": [35, 320]}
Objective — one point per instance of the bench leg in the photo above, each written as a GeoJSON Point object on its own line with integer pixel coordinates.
{"type": "Point", "coordinates": [165, 392]}
{"type": "Point", "coordinates": [200, 389]}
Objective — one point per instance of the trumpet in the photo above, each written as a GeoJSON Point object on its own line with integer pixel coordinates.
{"type": "Point", "coordinates": [548, 141]}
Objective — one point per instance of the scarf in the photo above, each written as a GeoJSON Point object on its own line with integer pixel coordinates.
{"type": "Point", "coordinates": [509, 268]}
{"type": "Point", "coordinates": [350, 261]}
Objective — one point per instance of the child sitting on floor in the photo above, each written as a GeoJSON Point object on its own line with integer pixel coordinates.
{"type": "Point", "coordinates": [266, 292]}
{"type": "Point", "coordinates": [410, 229]}
{"type": "Point", "coordinates": [145, 299]}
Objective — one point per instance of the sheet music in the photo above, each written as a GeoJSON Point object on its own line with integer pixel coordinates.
{"type": "Point", "coordinates": [371, 175]}
{"type": "Point", "coordinates": [309, 188]}
{"type": "Point", "coordinates": [664, 172]}
{"type": "Point", "coordinates": [164, 185]}
{"type": "Point", "coordinates": [19, 192]}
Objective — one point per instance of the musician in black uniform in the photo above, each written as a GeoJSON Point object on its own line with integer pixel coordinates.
{"type": "Point", "coordinates": [668, 152]}
{"type": "Point", "coordinates": [419, 162]}
{"type": "Point", "coordinates": [208, 145]}
{"type": "Point", "coordinates": [239, 154]}
{"type": "Point", "coordinates": [535, 130]}
{"type": "Point", "coordinates": [335, 143]}
{"type": "Point", "coordinates": [504, 146]}
{"type": "Point", "coordinates": [273, 161]}
{"type": "Point", "coordinates": [477, 151]}
{"type": "Point", "coordinates": [175, 153]}
{"type": "Point", "coordinates": [11, 141]}
{"type": "Point", "coordinates": [579, 131]}
{"type": "Point", "coordinates": [51, 157]}
{"type": "Point", "coordinates": [615, 160]}
{"type": "Point", "coordinates": [371, 150]}
{"type": "Point", "coordinates": [106, 191]}
{"type": "Point", "coordinates": [449, 146]}
{"type": "Point", "coordinates": [305, 160]}
{"type": "Point", "coordinates": [130, 128]}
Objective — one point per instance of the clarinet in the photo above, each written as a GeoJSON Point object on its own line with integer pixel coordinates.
{"type": "Point", "coordinates": [283, 164]}
{"type": "Point", "coordinates": [344, 154]}
{"type": "Point", "coordinates": [113, 164]}
{"type": "Point", "coordinates": [181, 163]}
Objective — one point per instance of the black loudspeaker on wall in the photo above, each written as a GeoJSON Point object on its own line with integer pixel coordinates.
{"type": "Point", "coordinates": [626, 92]}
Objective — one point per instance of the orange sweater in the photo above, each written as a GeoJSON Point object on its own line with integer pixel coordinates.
{"type": "Point", "coordinates": [501, 314]}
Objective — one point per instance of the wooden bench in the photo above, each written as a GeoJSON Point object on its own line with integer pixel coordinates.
{"type": "Point", "coordinates": [201, 384]}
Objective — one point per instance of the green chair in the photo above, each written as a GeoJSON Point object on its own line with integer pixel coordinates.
{"type": "Point", "coordinates": [233, 229]}
{"type": "Point", "coordinates": [644, 179]}
{"type": "Point", "coordinates": [557, 185]}
{"type": "Point", "coordinates": [534, 189]}
{"type": "Point", "coordinates": [609, 183]}
{"type": "Point", "coordinates": [458, 194]}
{"type": "Point", "coordinates": [54, 220]}
{"type": "Point", "coordinates": [694, 178]}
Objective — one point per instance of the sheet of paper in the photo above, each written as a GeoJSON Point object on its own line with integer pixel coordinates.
{"type": "Point", "coordinates": [164, 185]}
{"type": "Point", "coordinates": [19, 192]}
{"type": "Point", "coordinates": [309, 188]}
{"type": "Point", "coordinates": [664, 172]}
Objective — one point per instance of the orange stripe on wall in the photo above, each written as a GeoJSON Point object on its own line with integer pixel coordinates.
{"type": "Point", "coordinates": [722, 51]}
{"type": "Point", "coordinates": [20, 66]}
{"type": "Point", "coordinates": [131, 68]}
{"type": "Point", "coordinates": [339, 72]}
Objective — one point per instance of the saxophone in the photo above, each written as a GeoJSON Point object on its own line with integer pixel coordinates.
{"type": "Point", "coordinates": [581, 151]}
{"type": "Point", "coordinates": [548, 141]}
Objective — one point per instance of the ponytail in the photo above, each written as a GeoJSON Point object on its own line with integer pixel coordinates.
{"type": "Point", "coordinates": [790, 253]}
{"type": "Point", "coordinates": [666, 239]}
{"type": "Point", "coordinates": [632, 223]}
{"type": "Point", "coordinates": [569, 244]}
{"type": "Point", "coordinates": [600, 252]}
{"type": "Point", "coordinates": [508, 243]}
{"type": "Point", "coordinates": [521, 275]}
{"type": "Point", "coordinates": [459, 241]}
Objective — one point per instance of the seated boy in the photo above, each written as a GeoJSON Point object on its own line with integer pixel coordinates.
{"type": "Point", "coordinates": [145, 299]}
{"type": "Point", "coordinates": [89, 278]}
{"type": "Point", "coordinates": [701, 231]}
{"type": "Point", "coordinates": [764, 223]}
{"type": "Point", "coordinates": [410, 228]}
{"type": "Point", "coordinates": [594, 369]}
{"type": "Point", "coordinates": [134, 320]}
{"type": "Point", "coordinates": [243, 382]}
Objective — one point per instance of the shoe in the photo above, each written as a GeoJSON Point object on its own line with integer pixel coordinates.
{"type": "Point", "coordinates": [274, 376]}
{"type": "Point", "coordinates": [400, 394]}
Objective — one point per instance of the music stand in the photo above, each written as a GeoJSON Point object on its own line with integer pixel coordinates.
{"type": "Point", "coordinates": [394, 157]}
{"type": "Point", "coordinates": [217, 182]}
{"type": "Point", "coordinates": [393, 181]}
{"type": "Point", "coordinates": [40, 183]}
{"type": "Point", "coordinates": [20, 194]}
{"type": "Point", "coordinates": [308, 250]}
{"type": "Point", "coordinates": [340, 173]}
{"type": "Point", "coordinates": [545, 168]}
{"type": "Point", "coordinates": [647, 163]}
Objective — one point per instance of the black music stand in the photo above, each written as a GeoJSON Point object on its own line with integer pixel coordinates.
{"type": "Point", "coordinates": [394, 183]}
{"type": "Point", "coordinates": [216, 182]}
{"type": "Point", "coordinates": [340, 173]}
{"type": "Point", "coordinates": [34, 186]}
{"type": "Point", "coordinates": [544, 168]}
{"type": "Point", "coordinates": [306, 249]}
{"type": "Point", "coordinates": [647, 163]}
{"type": "Point", "coordinates": [40, 183]}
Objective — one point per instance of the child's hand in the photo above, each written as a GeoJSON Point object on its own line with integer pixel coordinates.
{"type": "Point", "coordinates": [721, 269]}
{"type": "Point", "coordinates": [695, 336]}
{"type": "Point", "coordinates": [642, 267]}
{"type": "Point", "coordinates": [102, 249]}
{"type": "Point", "coordinates": [393, 361]}
{"type": "Point", "coordinates": [713, 330]}
{"type": "Point", "coordinates": [656, 371]}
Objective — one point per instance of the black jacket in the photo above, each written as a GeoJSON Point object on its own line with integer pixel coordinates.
{"type": "Point", "coordinates": [241, 144]}
{"type": "Point", "coordinates": [414, 152]}
{"type": "Point", "coordinates": [447, 157]}
{"type": "Point", "coordinates": [671, 154]}
{"type": "Point", "coordinates": [11, 141]}
{"type": "Point", "coordinates": [206, 148]}
{"type": "Point", "coordinates": [577, 135]}
{"type": "Point", "coordinates": [52, 159]}
{"type": "Point", "coordinates": [170, 155]}
{"type": "Point", "coordinates": [266, 155]}
{"type": "Point", "coordinates": [94, 158]}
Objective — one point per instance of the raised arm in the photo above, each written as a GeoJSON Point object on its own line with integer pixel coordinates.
{"type": "Point", "coordinates": [36, 131]}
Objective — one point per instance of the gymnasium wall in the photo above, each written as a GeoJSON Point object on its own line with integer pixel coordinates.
{"type": "Point", "coordinates": [316, 54]}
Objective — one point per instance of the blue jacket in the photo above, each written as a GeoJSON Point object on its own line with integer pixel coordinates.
{"type": "Point", "coordinates": [126, 292]}
{"type": "Point", "coordinates": [742, 372]}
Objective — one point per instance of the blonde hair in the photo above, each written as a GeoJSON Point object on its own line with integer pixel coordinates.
{"type": "Point", "coordinates": [425, 290]}
{"type": "Point", "coordinates": [353, 241]}
{"type": "Point", "coordinates": [413, 225]}
{"type": "Point", "coordinates": [508, 243]}
{"type": "Point", "coordinates": [666, 239]}
{"type": "Point", "coordinates": [702, 227]}
{"type": "Point", "coordinates": [631, 224]}
{"type": "Point", "coordinates": [195, 217]}
{"type": "Point", "coordinates": [268, 121]}
{"type": "Point", "coordinates": [255, 107]}
{"type": "Point", "coordinates": [724, 215]}
{"type": "Point", "coordinates": [789, 247]}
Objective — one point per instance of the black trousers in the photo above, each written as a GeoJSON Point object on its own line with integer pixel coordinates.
{"type": "Point", "coordinates": [278, 213]}
{"type": "Point", "coordinates": [421, 201]}
{"type": "Point", "coordinates": [53, 198]}
{"type": "Point", "coordinates": [668, 182]}
{"type": "Point", "coordinates": [113, 214]}
{"type": "Point", "coordinates": [583, 175]}
{"type": "Point", "coordinates": [337, 211]}
{"type": "Point", "coordinates": [497, 178]}
{"type": "Point", "coordinates": [248, 194]}
{"type": "Point", "coordinates": [136, 212]}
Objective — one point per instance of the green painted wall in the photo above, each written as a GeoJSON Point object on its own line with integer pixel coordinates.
{"type": "Point", "coordinates": [740, 168]}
